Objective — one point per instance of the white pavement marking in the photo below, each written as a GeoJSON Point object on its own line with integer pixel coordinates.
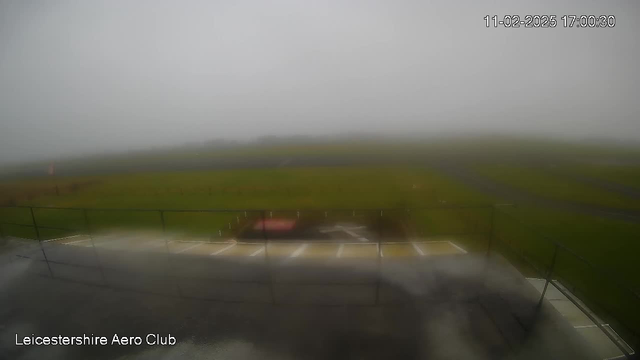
{"type": "Point", "coordinates": [62, 238]}
{"type": "Point", "coordinates": [159, 243]}
{"type": "Point", "coordinates": [119, 239]}
{"type": "Point", "coordinates": [340, 248]}
{"type": "Point", "coordinates": [616, 357]}
{"type": "Point", "coordinates": [224, 249]}
{"type": "Point", "coordinates": [349, 232]}
{"type": "Point", "coordinates": [458, 247]}
{"type": "Point", "coordinates": [299, 250]}
{"type": "Point", "coordinates": [189, 248]}
{"type": "Point", "coordinates": [341, 228]}
{"type": "Point", "coordinates": [259, 251]}
{"type": "Point", "coordinates": [415, 246]}
{"type": "Point", "coordinates": [75, 242]}
{"type": "Point", "coordinates": [588, 326]}
{"type": "Point", "coordinates": [147, 243]}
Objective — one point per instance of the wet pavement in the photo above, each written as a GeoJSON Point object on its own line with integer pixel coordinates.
{"type": "Point", "coordinates": [233, 307]}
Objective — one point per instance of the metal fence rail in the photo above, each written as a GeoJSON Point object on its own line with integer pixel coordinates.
{"type": "Point", "coordinates": [487, 222]}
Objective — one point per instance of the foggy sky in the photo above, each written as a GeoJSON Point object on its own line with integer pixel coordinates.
{"type": "Point", "coordinates": [87, 76]}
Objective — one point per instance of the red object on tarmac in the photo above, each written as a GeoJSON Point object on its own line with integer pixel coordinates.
{"type": "Point", "coordinates": [275, 224]}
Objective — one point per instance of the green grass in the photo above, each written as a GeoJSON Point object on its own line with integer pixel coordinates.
{"type": "Point", "coordinates": [606, 280]}
{"type": "Point", "coordinates": [607, 243]}
{"type": "Point", "coordinates": [540, 181]}
{"type": "Point", "coordinates": [271, 189]}
{"type": "Point", "coordinates": [298, 188]}
{"type": "Point", "coordinates": [628, 175]}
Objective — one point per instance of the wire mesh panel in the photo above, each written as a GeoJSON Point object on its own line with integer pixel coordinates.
{"type": "Point", "coordinates": [17, 222]}
{"type": "Point", "coordinates": [106, 219]}
{"type": "Point", "coordinates": [529, 246]}
{"type": "Point", "coordinates": [609, 301]}
{"type": "Point", "coordinates": [58, 222]}
{"type": "Point", "coordinates": [309, 255]}
{"type": "Point", "coordinates": [468, 227]}
{"type": "Point", "coordinates": [201, 224]}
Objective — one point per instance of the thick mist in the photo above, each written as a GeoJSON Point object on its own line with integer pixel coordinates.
{"type": "Point", "coordinates": [91, 76]}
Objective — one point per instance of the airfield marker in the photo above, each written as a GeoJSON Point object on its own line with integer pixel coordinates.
{"type": "Point", "coordinates": [223, 249]}
{"type": "Point", "coordinates": [189, 248]}
{"type": "Point", "coordinates": [75, 242]}
{"type": "Point", "coordinates": [458, 247]}
{"type": "Point", "coordinates": [158, 243]}
{"type": "Point", "coordinates": [415, 246]}
{"type": "Point", "coordinates": [299, 250]}
{"type": "Point", "coordinates": [63, 238]}
{"type": "Point", "coordinates": [147, 243]}
{"type": "Point", "coordinates": [340, 249]}
{"type": "Point", "coordinates": [588, 326]}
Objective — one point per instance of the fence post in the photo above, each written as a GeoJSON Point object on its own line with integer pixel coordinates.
{"type": "Point", "coordinates": [87, 226]}
{"type": "Point", "coordinates": [3, 240]}
{"type": "Point", "coordinates": [549, 273]}
{"type": "Point", "coordinates": [35, 226]}
{"type": "Point", "coordinates": [170, 266]}
{"type": "Point", "coordinates": [379, 258]}
{"type": "Point", "coordinates": [491, 229]}
{"type": "Point", "coordinates": [266, 255]}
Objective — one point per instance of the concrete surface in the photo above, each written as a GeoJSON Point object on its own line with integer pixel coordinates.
{"type": "Point", "coordinates": [601, 344]}
{"type": "Point", "coordinates": [423, 307]}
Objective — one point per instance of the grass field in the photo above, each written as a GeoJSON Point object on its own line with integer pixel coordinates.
{"type": "Point", "coordinates": [301, 188]}
{"type": "Point", "coordinates": [541, 181]}
{"type": "Point", "coordinates": [625, 175]}
{"type": "Point", "coordinates": [271, 188]}
{"type": "Point", "coordinates": [608, 243]}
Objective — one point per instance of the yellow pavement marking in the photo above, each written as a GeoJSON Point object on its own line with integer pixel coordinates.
{"type": "Point", "coordinates": [359, 251]}
{"type": "Point", "coordinates": [282, 249]}
{"type": "Point", "coordinates": [438, 248]}
{"type": "Point", "coordinates": [317, 251]}
{"type": "Point", "coordinates": [242, 250]}
{"type": "Point", "coordinates": [398, 250]}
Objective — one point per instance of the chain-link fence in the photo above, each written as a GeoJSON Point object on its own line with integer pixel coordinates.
{"type": "Point", "coordinates": [274, 245]}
